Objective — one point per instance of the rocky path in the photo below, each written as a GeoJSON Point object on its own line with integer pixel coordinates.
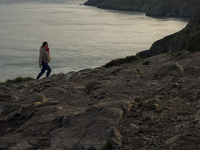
{"type": "Point", "coordinates": [149, 104]}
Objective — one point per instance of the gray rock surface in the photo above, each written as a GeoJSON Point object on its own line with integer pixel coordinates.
{"type": "Point", "coordinates": [123, 107]}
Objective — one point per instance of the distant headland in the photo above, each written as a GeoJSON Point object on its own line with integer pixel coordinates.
{"type": "Point", "coordinates": [155, 8]}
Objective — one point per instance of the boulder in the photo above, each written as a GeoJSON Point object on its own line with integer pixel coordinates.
{"type": "Point", "coordinates": [173, 69]}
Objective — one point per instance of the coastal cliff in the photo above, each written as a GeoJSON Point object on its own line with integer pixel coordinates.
{"type": "Point", "coordinates": [156, 8]}
{"type": "Point", "coordinates": [151, 103]}
{"type": "Point", "coordinates": [186, 39]}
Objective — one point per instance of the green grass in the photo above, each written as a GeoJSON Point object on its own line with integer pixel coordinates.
{"type": "Point", "coordinates": [119, 61]}
{"type": "Point", "coordinates": [16, 80]}
{"type": "Point", "coordinates": [107, 145]}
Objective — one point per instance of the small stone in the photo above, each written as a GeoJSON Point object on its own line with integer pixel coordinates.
{"type": "Point", "coordinates": [173, 139]}
{"type": "Point", "coordinates": [197, 115]}
{"type": "Point", "coordinates": [134, 128]}
{"type": "Point", "coordinates": [184, 125]}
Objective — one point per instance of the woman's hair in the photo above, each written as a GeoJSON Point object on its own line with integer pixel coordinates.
{"type": "Point", "coordinates": [44, 43]}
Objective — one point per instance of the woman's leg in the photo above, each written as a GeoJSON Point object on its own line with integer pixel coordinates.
{"type": "Point", "coordinates": [48, 70]}
{"type": "Point", "coordinates": [41, 73]}
{"type": "Point", "coordinates": [46, 67]}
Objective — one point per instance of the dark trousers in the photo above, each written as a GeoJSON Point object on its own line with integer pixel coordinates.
{"type": "Point", "coordinates": [45, 66]}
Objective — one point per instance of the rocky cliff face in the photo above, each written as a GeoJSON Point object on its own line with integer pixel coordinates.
{"type": "Point", "coordinates": [174, 8]}
{"type": "Point", "coordinates": [145, 104]}
{"type": "Point", "coordinates": [186, 39]}
{"type": "Point", "coordinates": [164, 8]}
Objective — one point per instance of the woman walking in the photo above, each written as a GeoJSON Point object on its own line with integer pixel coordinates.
{"type": "Point", "coordinates": [44, 59]}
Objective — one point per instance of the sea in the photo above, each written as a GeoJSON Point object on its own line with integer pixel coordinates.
{"type": "Point", "coordinates": [79, 36]}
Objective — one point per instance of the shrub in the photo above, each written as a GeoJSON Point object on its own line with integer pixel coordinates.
{"type": "Point", "coordinates": [107, 145]}
{"type": "Point", "coordinates": [16, 80]}
{"type": "Point", "coordinates": [119, 61]}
